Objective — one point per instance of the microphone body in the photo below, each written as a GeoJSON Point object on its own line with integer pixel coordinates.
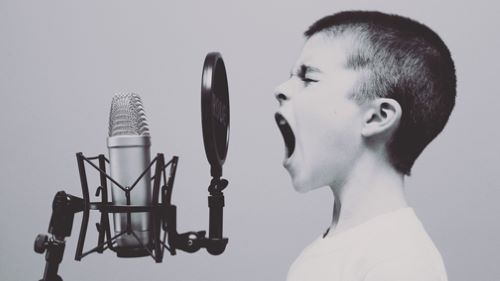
{"type": "Point", "coordinates": [129, 155]}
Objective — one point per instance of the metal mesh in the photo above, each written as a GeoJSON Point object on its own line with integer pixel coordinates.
{"type": "Point", "coordinates": [127, 116]}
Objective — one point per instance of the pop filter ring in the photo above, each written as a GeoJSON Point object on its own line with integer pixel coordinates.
{"type": "Point", "coordinates": [215, 111]}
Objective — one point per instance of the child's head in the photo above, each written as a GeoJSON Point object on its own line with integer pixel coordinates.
{"type": "Point", "coordinates": [364, 80]}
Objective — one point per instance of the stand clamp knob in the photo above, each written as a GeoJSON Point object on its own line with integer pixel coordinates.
{"type": "Point", "coordinates": [41, 243]}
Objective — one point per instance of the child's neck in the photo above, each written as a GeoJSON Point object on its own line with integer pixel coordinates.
{"type": "Point", "coordinates": [372, 188]}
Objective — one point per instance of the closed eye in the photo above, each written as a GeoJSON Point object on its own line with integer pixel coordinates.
{"type": "Point", "coordinates": [308, 80]}
{"type": "Point", "coordinates": [302, 74]}
{"type": "Point", "coordinates": [304, 79]}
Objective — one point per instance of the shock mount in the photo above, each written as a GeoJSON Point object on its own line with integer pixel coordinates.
{"type": "Point", "coordinates": [163, 215]}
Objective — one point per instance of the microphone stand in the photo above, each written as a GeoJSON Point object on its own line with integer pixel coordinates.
{"type": "Point", "coordinates": [64, 207]}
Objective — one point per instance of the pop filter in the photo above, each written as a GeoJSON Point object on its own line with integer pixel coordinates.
{"type": "Point", "coordinates": [215, 111]}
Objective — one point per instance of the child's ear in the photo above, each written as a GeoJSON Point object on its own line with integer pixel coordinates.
{"type": "Point", "coordinates": [382, 117]}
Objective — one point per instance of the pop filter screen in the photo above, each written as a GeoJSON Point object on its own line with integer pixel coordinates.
{"type": "Point", "coordinates": [215, 111]}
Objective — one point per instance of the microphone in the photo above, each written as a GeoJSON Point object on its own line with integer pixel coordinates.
{"type": "Point", "coordinates": [129, 156]}
{"type": "Point", "coordinates": [143, 214]}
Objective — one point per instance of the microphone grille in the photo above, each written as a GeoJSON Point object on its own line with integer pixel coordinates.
{"type": "Point", "coordinates": [127, 116]}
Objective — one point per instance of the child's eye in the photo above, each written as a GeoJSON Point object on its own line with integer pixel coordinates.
{"type": "Point", "coordinates": [308, 80]}
{"type": "Point", "coordinates": [302, 74]}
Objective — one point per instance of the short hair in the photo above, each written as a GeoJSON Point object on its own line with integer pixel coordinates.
{"type": "Point", "coordinates": [403, 60]}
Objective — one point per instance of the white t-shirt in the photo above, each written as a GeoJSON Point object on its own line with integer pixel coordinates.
{"type": "Point", "coordinates": [389, 247]}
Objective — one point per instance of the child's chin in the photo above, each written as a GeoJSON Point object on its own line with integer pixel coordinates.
{"type": "Point", "coordinates": [302, 185]}
{"type": "Point", "coordinates": [300, 189]}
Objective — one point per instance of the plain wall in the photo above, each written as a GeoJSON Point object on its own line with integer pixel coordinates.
{"type": "Point", "coordinates": [61, 62]}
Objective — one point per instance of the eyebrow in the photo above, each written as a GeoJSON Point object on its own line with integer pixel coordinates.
{"type": "Point", "coordinates": [303, 69]}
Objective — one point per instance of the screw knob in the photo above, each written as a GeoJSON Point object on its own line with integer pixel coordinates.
{"type": "Point", "coordinates": [41, 243]}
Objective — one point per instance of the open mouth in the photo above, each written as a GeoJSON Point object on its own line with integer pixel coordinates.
{"type": "Point", "coordinates": [287, 133]}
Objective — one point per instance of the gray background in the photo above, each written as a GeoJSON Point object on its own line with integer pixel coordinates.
{"type": "Point", "coordinates": [61, 62]}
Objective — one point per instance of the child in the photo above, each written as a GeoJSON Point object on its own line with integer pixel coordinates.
{"type": "Point", "coordinates": [368, 93]}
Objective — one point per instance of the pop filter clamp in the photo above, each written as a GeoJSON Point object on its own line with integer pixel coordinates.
{"type": "Point", "coordinates": [163, 215]}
